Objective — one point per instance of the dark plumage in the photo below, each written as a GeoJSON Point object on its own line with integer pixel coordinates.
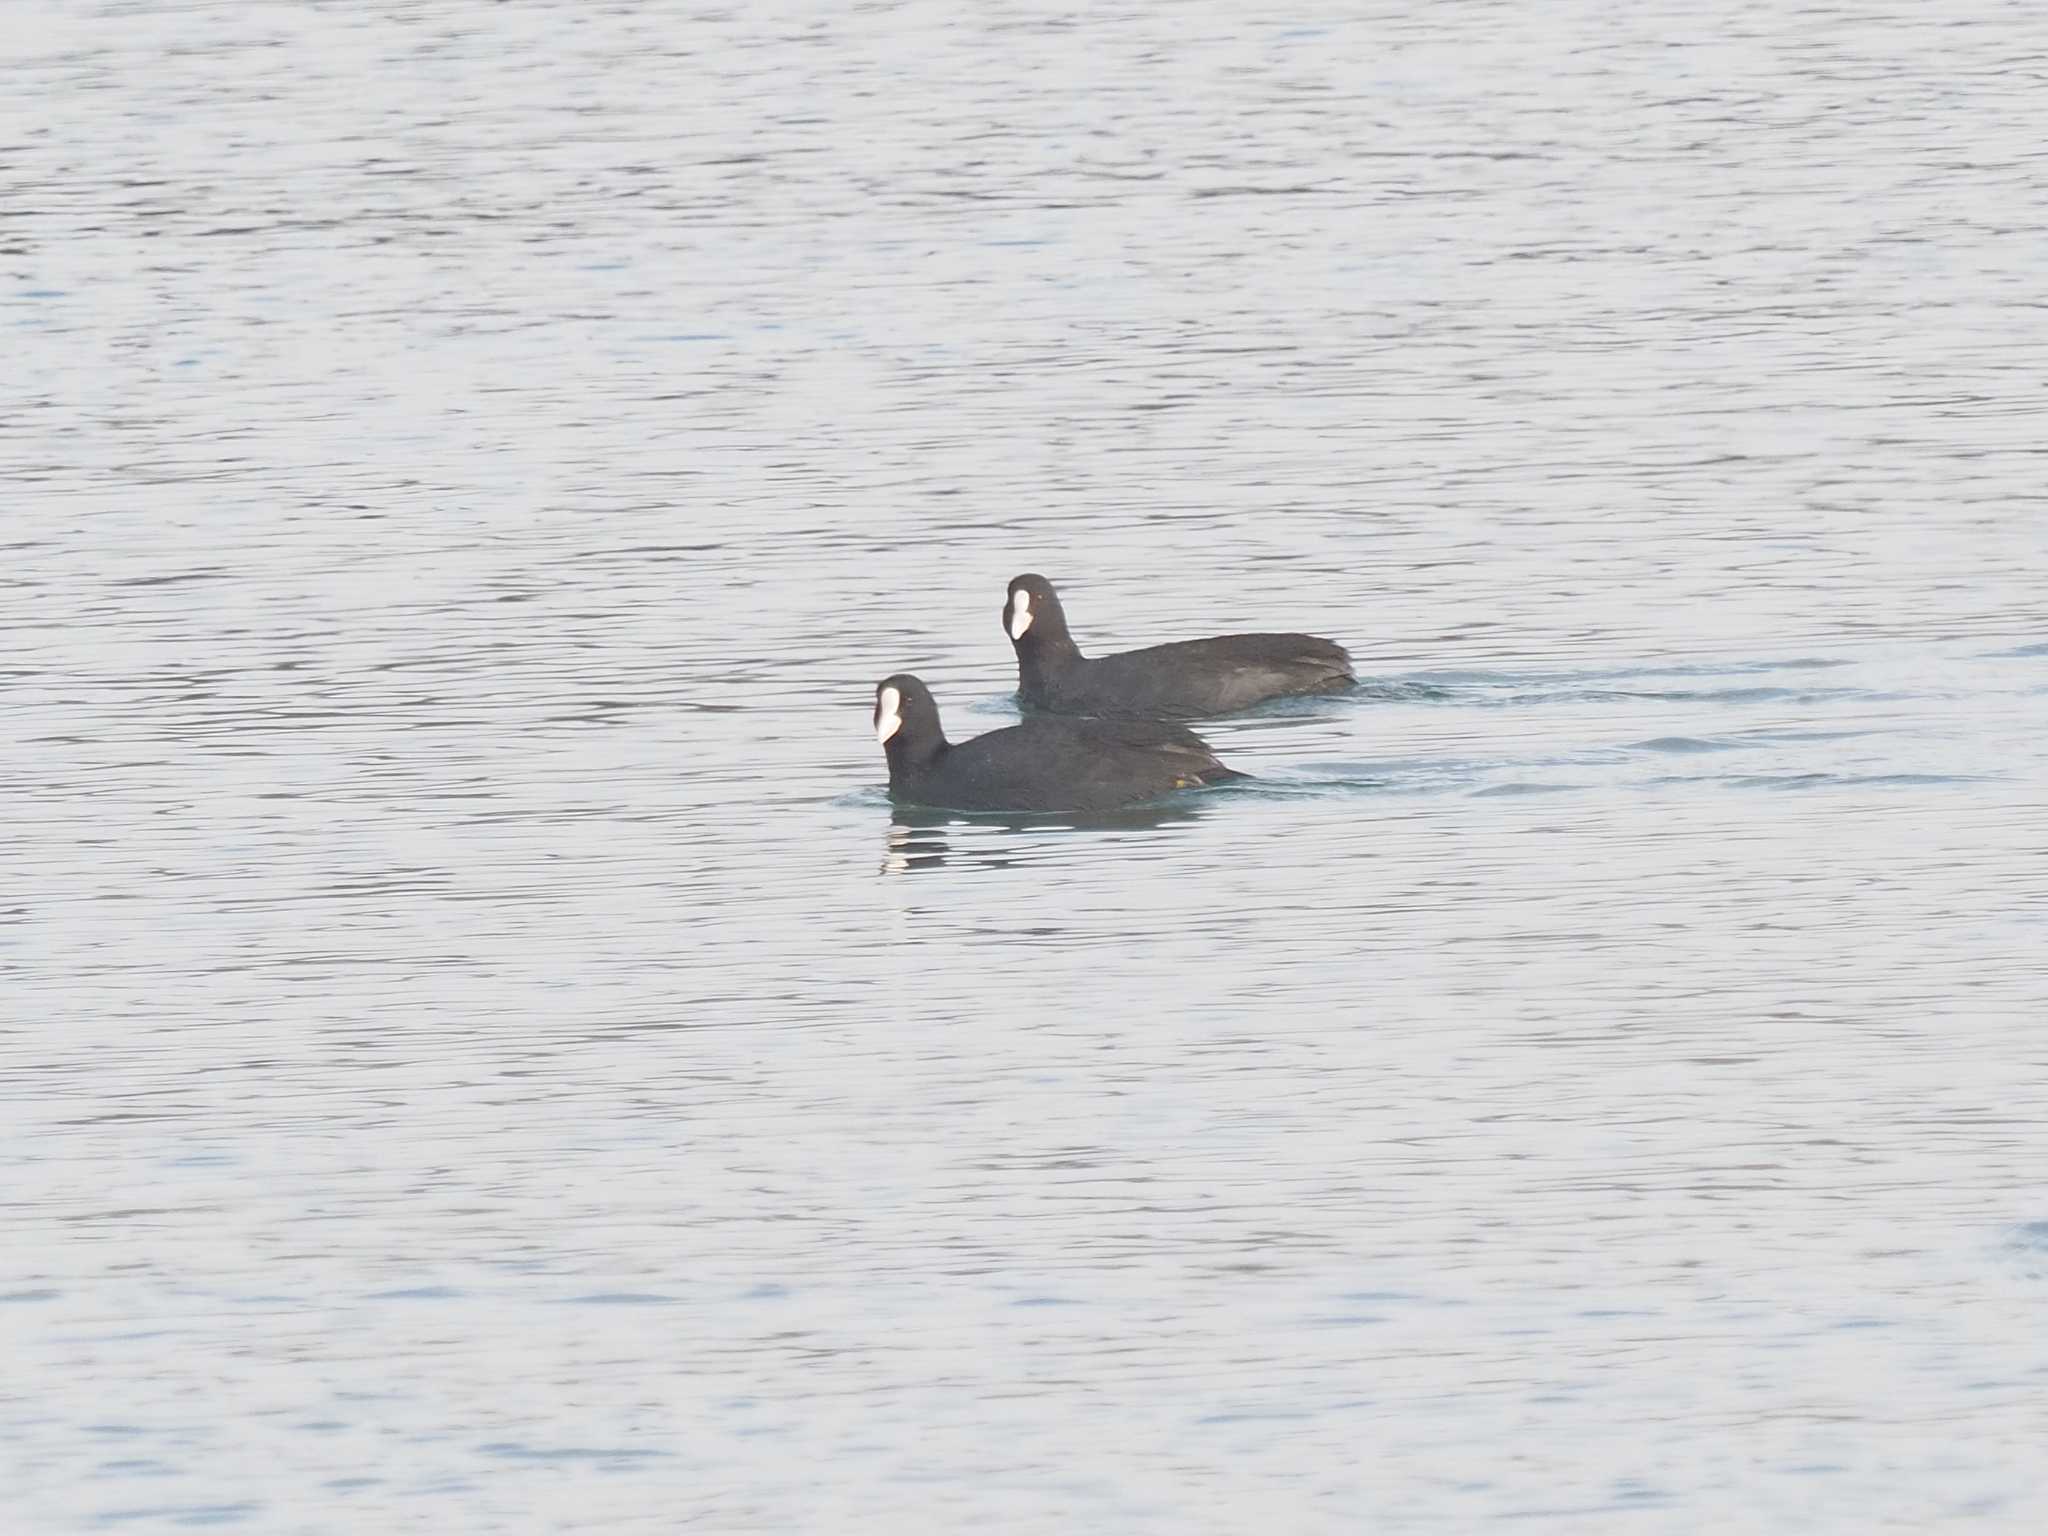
{"type": "Point", "coordinates": [1161, 682]}
{"type": "Point", "coordinates": [1049, 765]}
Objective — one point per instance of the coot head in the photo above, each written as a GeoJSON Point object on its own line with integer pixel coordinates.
{"type": "Point", "coordinates": [1033, 618]}
{"type": "Point", "coordinates": [907, 722]}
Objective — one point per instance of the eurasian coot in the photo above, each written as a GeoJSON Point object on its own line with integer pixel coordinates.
{"type": "Point", "coordinates": [1043, 764]}
{"type": "Point", "coordinates": [1185, 678]}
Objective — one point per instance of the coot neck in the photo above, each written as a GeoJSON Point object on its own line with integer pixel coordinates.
{"type": "Point", "coordinates": [1045, 658]}
{"type": "Point", "coordinates": [912, 759]}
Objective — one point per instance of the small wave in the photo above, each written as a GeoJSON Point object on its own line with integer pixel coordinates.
{"type": "Point", "coordinates": [1844, 780]}
{"type": "Point", "coordinates": [1682, 744]}
{"type": "Point", "coordinates": [1749, 695]}
{"type": "Point", "coordinates": [419, 1293]}
{"type": "Point", "coordinates": [1320, 780]}
{"type": "Point", "coordinates": [1758, 695]}
{"type": "Point", "coordinates": [1483, 677]}
{"type": "Point", "coordinates": [514, 1451]}
{"type": "Point", "coordinates": [1738, 668]}
{"type": "Point", "coordinates": [1379, 775]}
{"type": "Point", "coordinates": [1395, 691]}
{"type": "Point", "coordinates": [1798, 733]}
{"type": "Point", "coordinates": [1003, 704]}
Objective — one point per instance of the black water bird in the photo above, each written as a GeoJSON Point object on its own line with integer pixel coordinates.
{"type": "Point", "coordinates": [1179, 680]}
{"type": "Point", "coordinates": [1044, 764]}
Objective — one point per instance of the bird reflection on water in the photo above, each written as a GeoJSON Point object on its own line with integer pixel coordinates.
{"type": "Point", "coordinates": [920, 840]}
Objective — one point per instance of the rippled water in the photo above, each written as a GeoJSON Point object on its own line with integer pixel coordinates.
{"type": "Point", "coordinates": [479, 1052]}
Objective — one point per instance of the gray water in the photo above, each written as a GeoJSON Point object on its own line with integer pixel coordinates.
{"type": "Point", "coordinates": [479, 1052]}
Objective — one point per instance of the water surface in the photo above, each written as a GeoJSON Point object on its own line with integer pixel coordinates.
{"type": "Point", "coordinates": [479, 1050]}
